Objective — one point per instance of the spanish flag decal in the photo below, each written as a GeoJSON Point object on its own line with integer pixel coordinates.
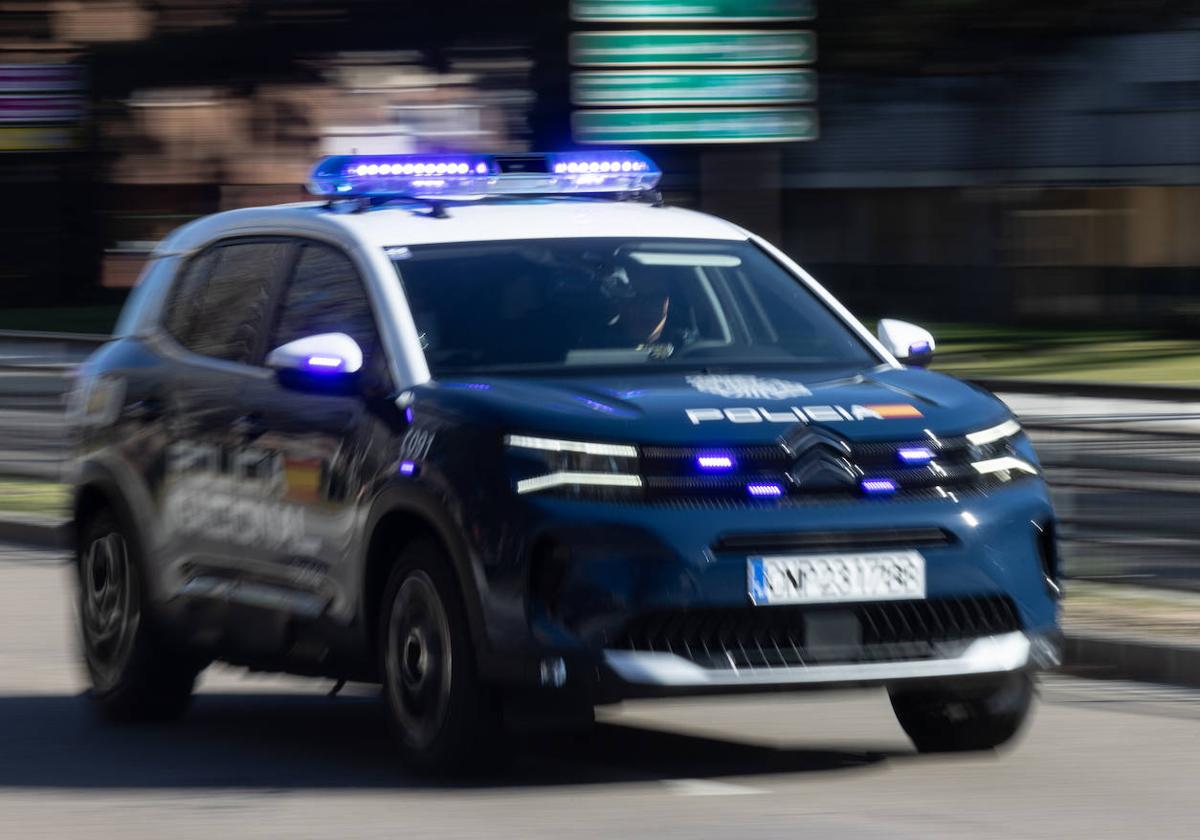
{"type": "Point", "coordinates": [895, 411]}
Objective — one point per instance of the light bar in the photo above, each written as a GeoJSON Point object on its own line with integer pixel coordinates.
{"type": "Point", "coordinates": [568, 479]}
{"type": "Point", "coordinates": [1005, 464]}
{"type": "Point", "coordinates": [915, 455]}
{"type": "Point", "coordinates": [990, 435]}
{"type": "Point", "coordinates": [878, 486]}
{"type": "Point", "coordinates": [550, 173]}
{"type": "Point", "coordinates": [764, 491]}
{"type": "Point", "coordinates": [612, 450]}
{"type": "Point", "coordinates": [715, 462]}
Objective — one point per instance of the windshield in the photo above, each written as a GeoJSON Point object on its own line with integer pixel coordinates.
{"type": "Point", "coordinates": [585, 303]}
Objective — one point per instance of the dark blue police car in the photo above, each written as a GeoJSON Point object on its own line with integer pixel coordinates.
{"type": "Point", "coordinates": [509, 437]}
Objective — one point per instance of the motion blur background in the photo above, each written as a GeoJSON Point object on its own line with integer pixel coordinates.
{"type": "Point", "coordinates": [1010, 163]}
{"type": "Point", "coordinates": [1020, 176]}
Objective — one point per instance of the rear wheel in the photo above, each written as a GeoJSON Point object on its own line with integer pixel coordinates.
{"type": "Point", "coordinates": [442, 717]}
{"type": "Point", "coordinates": [970, 718]}
{"type": "Point", "coordinates": [134, 674]}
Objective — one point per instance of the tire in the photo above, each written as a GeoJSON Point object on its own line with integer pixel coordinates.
{"type": "Point", "coordinates": [971, 718]}
{"type": "Point", "coordinates": [135, 676]}
{"type": "Point", "coordinates": [442, 718]}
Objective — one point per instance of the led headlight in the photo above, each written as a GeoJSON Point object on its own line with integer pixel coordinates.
{"type": "Point", "coordinates": [992, 434]}
{"type": "Point", "coordinates": [993, 453]}
{"type": "Point", "coordinates": [572, 463]}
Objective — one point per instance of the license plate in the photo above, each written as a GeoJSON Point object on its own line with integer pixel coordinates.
{"type": "Point", "coordinates": [834, 578]}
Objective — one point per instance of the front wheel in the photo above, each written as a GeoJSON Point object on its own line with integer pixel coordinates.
{"type": "Point", "coordinates": [442, 717]}
{"type": "Point", "coordinates": [973, 717]}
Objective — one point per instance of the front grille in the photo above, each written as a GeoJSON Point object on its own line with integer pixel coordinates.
{"type": "Point", "coordinates": [816, 465]}
{"type": "Point", "coordinates": [777, 637]}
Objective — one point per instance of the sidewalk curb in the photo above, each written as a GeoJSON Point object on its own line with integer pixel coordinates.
{"type": "Point", "coordinates": [53, 534]}
{"type": "Point", "coordinates": [1101, 657]}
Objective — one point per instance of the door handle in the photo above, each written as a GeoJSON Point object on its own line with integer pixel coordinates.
{"type": "Point", "coordinates": [249, 426]}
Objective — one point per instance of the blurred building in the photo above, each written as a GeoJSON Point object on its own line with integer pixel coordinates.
{"type": "Point", "coordinates": [1064, 185]}
{"type": "Point", "coordinates": [195, 106]}
{"type": "Point", "coordinates": [989, 159]}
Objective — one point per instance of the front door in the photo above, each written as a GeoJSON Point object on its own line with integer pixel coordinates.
{"type": "Point", "coordinates": [315, 455]}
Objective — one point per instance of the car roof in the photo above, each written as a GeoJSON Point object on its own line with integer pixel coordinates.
{"type": "Point", "coordinates": [490, 220]}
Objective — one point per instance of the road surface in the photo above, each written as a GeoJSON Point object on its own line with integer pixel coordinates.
{"type": "Point", "coordinates": [273, 757]}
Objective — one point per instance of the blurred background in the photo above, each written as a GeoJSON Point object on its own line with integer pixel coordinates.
{"type": "Point", "coordinates": [1020, 176]}
{"type": "Point", "coordinates": [1032, 169]}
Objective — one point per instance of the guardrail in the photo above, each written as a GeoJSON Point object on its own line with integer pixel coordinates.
{"type": "Point", "coordinates": [89, 339]}
{"type": "Point", "coordinates": [23, 350]}
{"type": "Point", "coordinates": [1099, 390]}
{"type": "Point", "coordinates": [1126, 488]}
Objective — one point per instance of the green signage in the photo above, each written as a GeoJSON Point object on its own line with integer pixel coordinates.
{"type": "Point", "coordinates": [695, 125]}
{"type": "Point", "coordinates": [676, 11]}
{"type": "Point", "coordinates": [692, 87]}
{"type": "Point", "coordinates": [732, 48]}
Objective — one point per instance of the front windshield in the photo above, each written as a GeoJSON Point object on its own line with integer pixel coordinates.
{"type": "Point", "coordinates": [567, 304]}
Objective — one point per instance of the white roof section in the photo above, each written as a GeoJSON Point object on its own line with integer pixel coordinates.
{"type": "Point", "coordinates": [490, 221]}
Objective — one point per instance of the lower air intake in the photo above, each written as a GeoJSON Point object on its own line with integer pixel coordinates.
{"type": "Point", "coordinates": [792, 636]}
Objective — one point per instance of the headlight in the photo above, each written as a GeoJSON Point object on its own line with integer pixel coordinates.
{"type": "Point", "coordinates": [993, 454]}
{"type": "Point", "coordinates": [571, 463]}
{"type": "Point", "coordinates": [1007, 429]}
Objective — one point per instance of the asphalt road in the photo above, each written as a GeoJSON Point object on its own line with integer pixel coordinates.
{"type": "Point", "coordinates": [273, 757]}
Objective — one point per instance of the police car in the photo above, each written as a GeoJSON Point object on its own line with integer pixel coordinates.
{"type": "Point", "coordinates": [511, 438]}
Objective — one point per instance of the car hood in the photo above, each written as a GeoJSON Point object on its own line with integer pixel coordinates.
{"type": "Point", "coordinates": [703, 407]}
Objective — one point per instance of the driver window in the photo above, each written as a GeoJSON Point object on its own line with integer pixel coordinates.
{"type": "Point", "coordinates": [325, 295]}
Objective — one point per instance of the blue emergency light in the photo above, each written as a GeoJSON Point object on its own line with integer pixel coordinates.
{"type": "Point", "coordinates": [352, 176]}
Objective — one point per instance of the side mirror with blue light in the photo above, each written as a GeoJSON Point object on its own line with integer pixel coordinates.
{"type": "Point", "coordinates": [329, 362]}
{"type": "Point", "coordinates": [909, 343]}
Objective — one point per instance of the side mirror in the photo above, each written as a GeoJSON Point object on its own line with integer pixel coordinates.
{"type": "Point", "coordinates": [329, 362]}
{"type": "Point", "coordinates": [909, 343]}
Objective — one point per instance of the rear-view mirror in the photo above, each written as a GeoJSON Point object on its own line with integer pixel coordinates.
{"type": "Point", "coordinates": [325, 362]}
{"type": "Point", "coordinates": [910, 344]}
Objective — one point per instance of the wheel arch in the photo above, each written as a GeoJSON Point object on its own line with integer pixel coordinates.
{"type": "Point", "coordinates": [104, 483]}
{"type": "Point", "coordinates": [399, 516]}
{"type": "Point", "coordinates": [97, 488]}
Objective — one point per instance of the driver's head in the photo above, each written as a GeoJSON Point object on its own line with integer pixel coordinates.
{"type": "Point", "coordinates": [641, 303]}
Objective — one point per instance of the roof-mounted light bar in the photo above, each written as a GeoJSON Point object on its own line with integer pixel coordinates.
{"type": "Point", "coordinates": [354, 176]}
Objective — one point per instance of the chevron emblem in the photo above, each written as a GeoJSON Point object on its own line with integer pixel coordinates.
{"type": "Point", "coordinates": [822, 460]}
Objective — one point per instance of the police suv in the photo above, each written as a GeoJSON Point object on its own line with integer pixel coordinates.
{"type": "Point", "coordinates": [513, 439]}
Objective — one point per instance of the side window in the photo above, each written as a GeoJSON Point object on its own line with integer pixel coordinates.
{"type": "Point", "coordinates": [234, 308]}
{"type": "Point", "coordinates": [186, 295]}
{"type": "Point", "coordinates": [326, 295]}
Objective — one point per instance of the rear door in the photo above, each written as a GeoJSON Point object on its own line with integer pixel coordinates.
{"type": "Point", "coordinates": [216, 316]}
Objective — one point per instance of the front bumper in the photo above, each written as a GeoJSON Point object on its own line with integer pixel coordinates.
{"type": "Point", "coordinates": [643, 673]}
{"type": "Point", "coordinates": [595, 601]}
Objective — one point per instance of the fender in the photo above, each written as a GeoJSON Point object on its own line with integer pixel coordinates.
{"type": "Point", "coordinates": [420, 502]}
{"type": "Point", "coordinates": [133, 505]}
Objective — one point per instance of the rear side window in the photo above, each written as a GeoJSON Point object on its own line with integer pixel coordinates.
{"type": "Point", "coordinates": [326, 296]}
{"type": "Point", "coordinates": [187, 294]}
{"type": "Point", "coordinates": [222, 301]}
